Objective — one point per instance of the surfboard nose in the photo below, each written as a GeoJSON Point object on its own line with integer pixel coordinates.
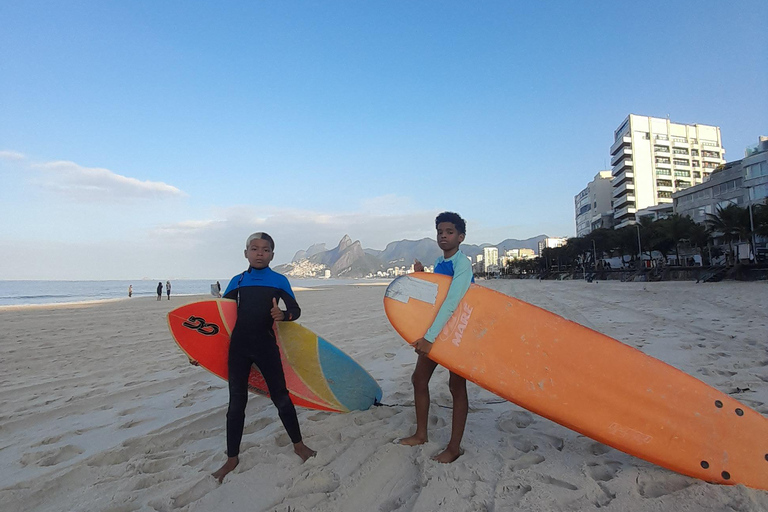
{"type": "Point", "coordinates": [405, 288]}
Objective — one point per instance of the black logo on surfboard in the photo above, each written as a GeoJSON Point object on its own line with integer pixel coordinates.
{"type": "Point", "coordinates": [199, 324]}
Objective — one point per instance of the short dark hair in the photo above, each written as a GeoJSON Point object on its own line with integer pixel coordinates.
{"type": "Point", "coordinates": [260, 236]}
{"type": "Point", "coordinates": [453, 218]}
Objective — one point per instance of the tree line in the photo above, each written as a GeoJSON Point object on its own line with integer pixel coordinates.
{"type": "Point", "coordinates": [729, 225]}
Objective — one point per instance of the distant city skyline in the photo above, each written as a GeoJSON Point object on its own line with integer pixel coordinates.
{"type": "Point", "coordinates": [144, 139]}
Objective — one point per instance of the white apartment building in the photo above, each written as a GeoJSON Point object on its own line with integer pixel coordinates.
{"type": "Point", "coordinates": [652, 158]}
{"type": "Point", "coordinates": [593, 204]}
{"type": "Point", "coordinates": [490, 259]}
{"type": "Point", "coordinates": [551, 243]}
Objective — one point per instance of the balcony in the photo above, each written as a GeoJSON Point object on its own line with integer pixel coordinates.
{"type": "Point", "coordinates": [623, 141]}
{"type": "Point", "coordinates": [681, 144]}
{"type": "Point", "coordinates": [621, 202]}
{"type": "Point", "coordinates": [622, 152]}
{"type": "Point", "coordinates": [620, 166]}
{"type": "Point", "coordinates": [623, 213]}
{"type": "Point", "coordinates": [661, 139]}
{"type": "Point", "coordinates": [623, 188]}
{"type": "Point", "coordinates": [622, 177]}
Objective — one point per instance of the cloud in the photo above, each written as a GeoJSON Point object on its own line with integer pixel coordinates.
{"type": "Point", "coordinates": [98, 184]}
{"type": "Point", "coordinates": [11, 155]}
{"type": "Point", "coordinates": [294, 229]}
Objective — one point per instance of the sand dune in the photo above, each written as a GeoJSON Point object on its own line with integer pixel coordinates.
{"type": "Point", "coordinates": [99, 410]}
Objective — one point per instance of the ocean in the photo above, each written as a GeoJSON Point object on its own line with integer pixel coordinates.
{"type": "Point", "coordinates": [13, 293]}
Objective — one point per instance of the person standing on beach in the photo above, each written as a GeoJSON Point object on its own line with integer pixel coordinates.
{"type": "Point", "coordinates": [168, 289]}
{"type": "Point", "coordinates": [451, 230]}
{"type": "Point", "coordinates": [159, 290]}
{"type": "Point", "coordinates": [130, 290]}
{"type": "Point", "coordinates": [257, 292]}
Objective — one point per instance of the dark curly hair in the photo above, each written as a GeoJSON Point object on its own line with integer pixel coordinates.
{"type": "Point", "coordinates": [453, 218]}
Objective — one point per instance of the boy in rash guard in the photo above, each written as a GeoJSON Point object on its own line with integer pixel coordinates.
{"type": "Point", "coordinates": [451, 230]}
{"type": "Point", "coordinates": [257, 291]}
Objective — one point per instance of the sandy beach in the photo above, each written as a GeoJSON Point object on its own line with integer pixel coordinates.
{"type": "Point", "coordinates": [100, 411]}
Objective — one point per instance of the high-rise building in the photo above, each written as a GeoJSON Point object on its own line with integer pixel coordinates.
{"type": "Point", "coordinates": [490, 258]}
{"type": "Point", "coordinates": [652, 158]}
{"type": "Point", "coordinates": [593, 205]}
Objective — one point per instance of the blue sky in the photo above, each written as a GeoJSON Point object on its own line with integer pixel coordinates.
{"type": "Point", "coordinates": [148, 139]}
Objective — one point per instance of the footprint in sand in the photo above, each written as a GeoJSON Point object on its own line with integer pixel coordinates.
{"type": "Point", "coordinates": [515, 420]}
{"type": "Point", "coordinates": [51, 457]}
{"type": "Point", "coordinates": [658, 485]}
{"type": "Point", "coordinates": [257, 425]}
{"type": "Point", "coordinates": [603, 472]}
{"type": "Point", "coordinates": [557, 483]}
{"type": "Point", "coordinates": [526, 461]}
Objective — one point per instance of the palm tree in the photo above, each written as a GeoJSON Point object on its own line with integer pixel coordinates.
{"type": "Point", "coordinates": [731, 223]}
{"type": "Point", "coordinates": [675, 228]}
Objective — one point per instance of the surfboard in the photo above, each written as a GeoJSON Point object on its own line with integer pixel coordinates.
{"type": "Point", "coordinates": [586, 381]}
{"type": "Point", "coordinates": [318, 374]}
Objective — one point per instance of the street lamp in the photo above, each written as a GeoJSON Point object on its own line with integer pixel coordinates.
{"type": "Point", "coordinates": [639, 246]}
{"type": "Point", "coordinates": [751, 223]}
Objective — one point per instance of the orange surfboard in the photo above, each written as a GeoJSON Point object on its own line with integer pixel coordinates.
{"type": "Point", "coordinates": [586, 381]}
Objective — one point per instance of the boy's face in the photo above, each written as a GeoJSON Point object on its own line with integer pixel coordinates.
{"type": "Point", "coordinates": [448, 238]}
{"type": "Point", "coordinates": [259, 253]}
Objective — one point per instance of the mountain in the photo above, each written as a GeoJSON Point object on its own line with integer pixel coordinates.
{"type": "Point", "coordinates": [313, 249]}
{"type": "Point", "coordinates": [349, 259]}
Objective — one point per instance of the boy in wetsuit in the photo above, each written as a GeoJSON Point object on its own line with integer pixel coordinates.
{"type": "Point", "coordinates": [257, 291]}
{"type": "Point", "coordinates": [451, 230]}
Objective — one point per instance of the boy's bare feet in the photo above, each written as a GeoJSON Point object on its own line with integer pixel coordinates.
{"type": "Point", "coordinates": [414, 440]}
{"type": "Point", "coordinates": [228, 466]}
{"type": "Point", "coordinates": [303, 451]}
{"type": "Point", "coordinates": [448, 455]}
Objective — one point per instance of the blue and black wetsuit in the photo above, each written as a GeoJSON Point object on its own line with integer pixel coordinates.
{"type": "Point", "coordinates": [253, 342]}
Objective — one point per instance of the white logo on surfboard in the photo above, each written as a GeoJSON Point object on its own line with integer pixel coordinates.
{"type": "Point", "coordinates": [454, 328]}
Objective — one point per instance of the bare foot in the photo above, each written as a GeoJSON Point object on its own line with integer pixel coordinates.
{"type": "Point", "coordinates": [448, 455]}
{"type": "Point", "coordinates": [414, 440]}
{"type": "Point", "coordinates": [303, 451]}
{"type": "Point", "coordinates": [228, 466]}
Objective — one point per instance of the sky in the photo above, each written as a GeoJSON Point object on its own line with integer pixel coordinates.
{"type": "Point", "coordinates": [148, 139]}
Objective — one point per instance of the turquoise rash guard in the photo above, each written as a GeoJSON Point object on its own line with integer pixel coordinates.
{"type": "Point", "coordinates": [459, 267]}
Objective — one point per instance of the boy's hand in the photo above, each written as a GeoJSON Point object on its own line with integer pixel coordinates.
{"type": "Point", "coordinates": [422, 346]}
{"type": "Point", "coordinates": [276, 312]}
{"type": "Point", "coordinates": [418, 266]}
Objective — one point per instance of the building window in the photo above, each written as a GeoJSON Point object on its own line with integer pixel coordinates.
{"type": "Point", "coordinates": [661, 149]}
{"type": "Point", "coordinates": [696, 174]}
{"type": "Point", "coordinates": [695, 152]}
{"type": "Point", "coordinates": [678, 161]}
{"type": "Point", "coordinates": [696, 163]}
{"type": "Point", "coordinates": [663, 172]}
{"type": "Point", "coordinates": [680, 151]}
{"type": "Point", "coordinates": [663, 183]}
{"type": "Point", "coordinates": [684, 174]}
{"type": "Point", "coordinates": [663, 194]}
{"type": "Point", "coordinates": [662, 160]}
{"type": "Point", "coordinates": [710, 154]}
{"type": "Point", "coordinates": [757, 170]}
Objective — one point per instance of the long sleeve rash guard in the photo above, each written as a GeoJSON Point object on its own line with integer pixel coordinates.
{"type": "Point", "coordinates": [254, 290]}
{"type": "Point", "coordinates": [460, 268]}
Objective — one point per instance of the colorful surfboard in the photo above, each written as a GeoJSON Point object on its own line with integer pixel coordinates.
{"type": "Point", "coordinates": [317, 374]}
{"type": "Point", "coordinates": [586, 381]}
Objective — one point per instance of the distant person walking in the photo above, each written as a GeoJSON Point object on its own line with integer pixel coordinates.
{"type": "Point", "coordinates": [168, 289]}
{"type": "Point", "coordinates": [130, 290]}
{"type": "Point", "coordinates": [159, 290]}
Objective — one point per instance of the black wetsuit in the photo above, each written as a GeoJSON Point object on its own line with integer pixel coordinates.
{"type": "Point", "coordinates": [253, 342]}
